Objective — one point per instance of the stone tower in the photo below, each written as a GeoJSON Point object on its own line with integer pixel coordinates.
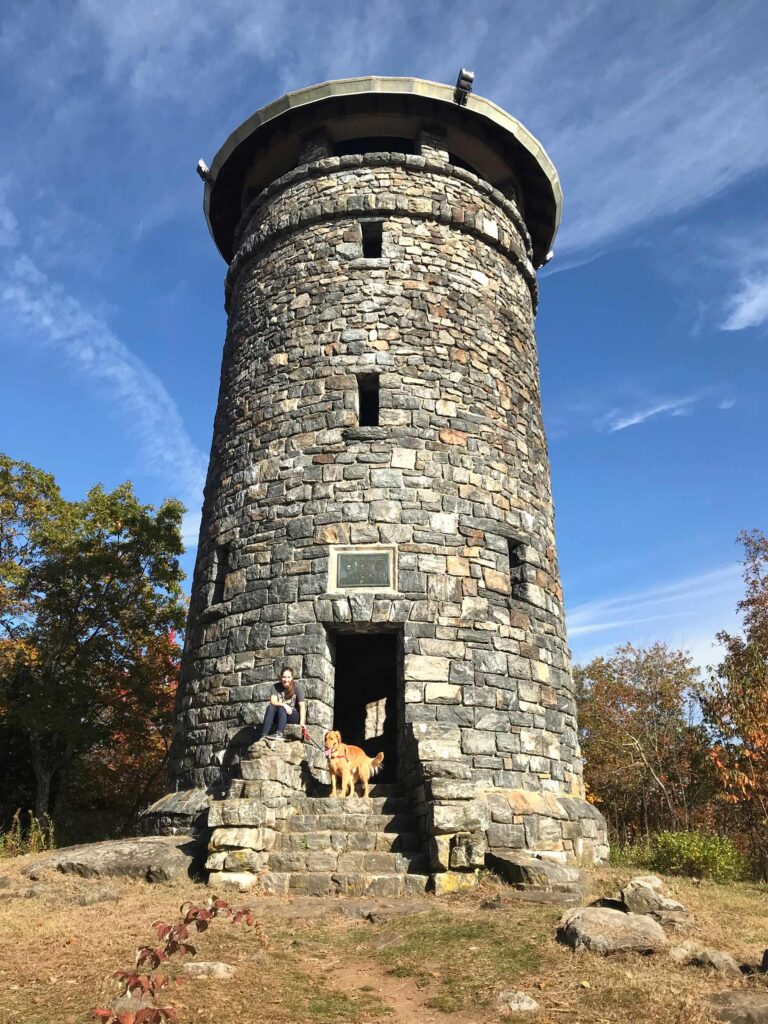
{"type": "Point", "coordinates": [378, 513]}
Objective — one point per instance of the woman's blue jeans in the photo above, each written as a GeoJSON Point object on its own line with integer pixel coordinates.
{"type": "Point", "coordinates": [283, 718]}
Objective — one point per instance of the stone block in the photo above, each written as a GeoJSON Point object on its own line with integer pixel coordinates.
{"type": "Point", "coordinates": [459, 816]}
{"type": "Point", "coordinates": [506, 836]}
{"type": "Point", "coordinates": [442, 693]}
{"type": "Point", "coordinates": [453, 881]}
{"type": "Point", "coordinates": [241, 838]}
{"type": "Point", "coordinates": [451, 789]}
{"type": "Point", "coordinates": [450, 769]}
{"type": "Point", "coordinates": [424, 668]}
{"type": "Point", "coordinates": [244, 860]}
{"type": "Point", "coordinates": [242, 881]}
{"type": "Point", "coordinates": [478, 742]}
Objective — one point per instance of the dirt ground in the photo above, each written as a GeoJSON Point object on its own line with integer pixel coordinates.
{"type": "Point", "coordinates": [445, 959]}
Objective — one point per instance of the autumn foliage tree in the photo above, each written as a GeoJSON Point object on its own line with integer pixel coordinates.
{"type": "Point", "coordinates": [734, 703]}
{"type": "Point", "coordinates": [90, 604]}
{"type": "Point", "coordinates": [646, 761]}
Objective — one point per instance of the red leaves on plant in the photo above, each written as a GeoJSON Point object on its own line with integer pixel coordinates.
{"type": "Point", "coordinates": [154, 956]}
{"type": "Point", "coordinates": [173, 938]}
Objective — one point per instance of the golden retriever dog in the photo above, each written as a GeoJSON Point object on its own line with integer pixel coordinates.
{"type": "Point", "coordinates": [348, 765]}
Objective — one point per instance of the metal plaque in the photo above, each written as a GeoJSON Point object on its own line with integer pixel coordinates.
{"type": "Point", "coordinates": [364, 569]}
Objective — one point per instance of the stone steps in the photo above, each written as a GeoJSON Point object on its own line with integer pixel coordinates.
{"type": "Point", "coordinates": [352, 805]}
{"type": "Point", "coordinates": [347, 862]}
{"type": "Point", "coordinates": [327, 883]}
{"type": "Point", "coordinates": [385, 842]}
{"type": "Point", "coordinates": [268, 831]}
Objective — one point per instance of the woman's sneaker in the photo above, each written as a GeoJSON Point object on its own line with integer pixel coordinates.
{"type": "Point", "coordinates": [278, 738]}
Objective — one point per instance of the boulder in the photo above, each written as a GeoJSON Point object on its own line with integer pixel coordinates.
{"type": "Point", "coordinates": [526, 871]}
{"type": "Point", "coordinates": [151, 858]}
{"type": "Point", "coordinates": [740, 1006]}
{"type": "Point", "coordinates": [607, 931]}
{"type": "Point", "coordinates": [645, 894]}
{"type": "Point", "coordinates": [517, 1002]}
{"type": "Point", "coordinates": [691, 953]}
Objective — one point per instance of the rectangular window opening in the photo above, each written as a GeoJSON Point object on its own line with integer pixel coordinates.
{"type": "Point", "coordinates": [368, 399]}
{"type": "Point", "coordinates": [221, 571]}
{"type": "Point", "coordinates": [371, 231]}
{"type": "Point", "coordinates": [516, 559]}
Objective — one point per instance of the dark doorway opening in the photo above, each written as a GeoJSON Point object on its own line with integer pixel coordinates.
{"type": "Point", "coordinates": [365, 698]}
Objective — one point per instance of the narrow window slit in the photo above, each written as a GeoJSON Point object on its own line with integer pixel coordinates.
{"type": "Point", "coordinates": [371, 231]}
{"type": "Point", "coordinates": [368, 399]}
{"type": "Point", "coordinates": [221, 571]}
{"type": "Point", "coordinates": [516, 550]}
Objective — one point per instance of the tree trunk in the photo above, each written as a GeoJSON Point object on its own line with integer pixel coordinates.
{"type": "Point", "coordinates": [43, 776]}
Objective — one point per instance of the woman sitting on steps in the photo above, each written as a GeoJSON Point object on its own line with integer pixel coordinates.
{"type": "Point", "coordinates": [286, 704]}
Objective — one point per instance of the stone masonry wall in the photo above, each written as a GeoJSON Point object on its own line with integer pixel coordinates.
{"type": "Point", "coordinates": [455, 476]}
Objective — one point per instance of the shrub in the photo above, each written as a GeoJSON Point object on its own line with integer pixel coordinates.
{"type": "Point", "coordinates": [631, 855]}
{"type": "Point", "coordinates": [697, 855]}
{"type": "Point", "coordinates": [36, 837]}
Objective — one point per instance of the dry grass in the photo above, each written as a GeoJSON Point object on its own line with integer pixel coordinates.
{"type": "Point", "coordinates": [320, 967]}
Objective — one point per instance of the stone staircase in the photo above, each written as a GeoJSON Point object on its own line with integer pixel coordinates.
{"type": "Point", "coordinates": [269, 831]}
{"type": "Point", "coordinates": [351, 846]}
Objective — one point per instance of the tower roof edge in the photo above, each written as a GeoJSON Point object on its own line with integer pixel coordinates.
{"type": "Point", "coordinates": [480, 134]}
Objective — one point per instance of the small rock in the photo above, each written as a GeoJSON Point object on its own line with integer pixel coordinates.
{"type": "Point", "coordinates": [209, 969]}
{"type": "Point", "coordinates": [131, 1002]}
{"type": "Point", "coordinates": [740, 1006]}
{"type": "Point", "coordinates": [517, 1002]}
{"type": "Point", "coordinates": [36, 891]}
{"type": "Point", "coordinates": [493, 904]}
{"type": "Point", "coordinates": [674, 920]}
{"type": "Point", "coordinates": [690, 953]}
{"type": "Point", "coordinates": [646, 893]}
{"type": "Point", "coordinates": [610, 931]}
{"type": "Point", "coordinates": [97, 895]}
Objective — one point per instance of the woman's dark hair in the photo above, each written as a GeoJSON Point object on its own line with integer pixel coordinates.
{"type": "Point", "coordinates": [290, 689]}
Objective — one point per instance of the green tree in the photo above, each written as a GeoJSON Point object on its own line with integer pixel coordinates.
{"type": "Point", "coordinates": [86, 588]}
{"type": "Point", "coordinates": [734, 703]}
{"type": "Point", "coordinates": [645, 760]}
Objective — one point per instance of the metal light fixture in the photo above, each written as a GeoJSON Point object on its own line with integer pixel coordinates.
{"type": "Point", "coordinates": [463, 87]}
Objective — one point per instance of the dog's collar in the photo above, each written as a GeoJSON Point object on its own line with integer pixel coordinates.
{"type": "Point", "coordinates": [336, 757]}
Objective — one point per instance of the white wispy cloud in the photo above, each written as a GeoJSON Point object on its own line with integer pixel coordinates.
{"type": "Point", "coordinates": [749, 307]}
{"type": "Point", "coordinates": [617, 420]}
{"type": "Point", "coordinates": [686, 613]}
{"type": "Point", "coordinates": [86, 343]}
{"type": "Point", "coordinates": [646, 109]}
{"type": "Point", "coordinates": [9, 225]}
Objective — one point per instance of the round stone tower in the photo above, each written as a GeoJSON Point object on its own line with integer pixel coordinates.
{"type": "Point", "coordinates": [378, 513]}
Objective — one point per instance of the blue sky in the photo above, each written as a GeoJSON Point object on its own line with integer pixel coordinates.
{"type": "Point", "coordinates": [653, 326]}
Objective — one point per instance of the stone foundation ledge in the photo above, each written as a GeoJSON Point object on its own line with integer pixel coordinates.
{"type": "Point", "coordinates": [556, 826]}
{"type": "Point", "coordinates": [176, 814]}
{"type": "Point", "coordinates": [466, 826]}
